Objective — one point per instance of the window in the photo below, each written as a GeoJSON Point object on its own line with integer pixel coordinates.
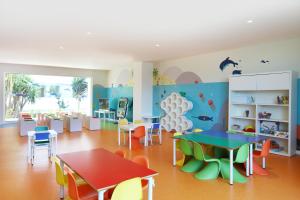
{"type": "Point", "coordinates": [45, 94]}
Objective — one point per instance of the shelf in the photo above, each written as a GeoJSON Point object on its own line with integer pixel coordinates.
{"type": "Point", "coordinates": [241, 117]}
{"type": "Point", "coordinates": [274, 104]}
{"type": "Point", "coordinates": [243, 104]}
{"type": "Point", "coordinates": [273, 136]}
{"type": "Point", "coordinates": [273, 120]}
{"type": "Point", "coordinates": [282, 153]}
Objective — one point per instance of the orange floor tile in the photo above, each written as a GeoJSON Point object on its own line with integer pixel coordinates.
{"type": "Point", "coordinates": [20, 180]}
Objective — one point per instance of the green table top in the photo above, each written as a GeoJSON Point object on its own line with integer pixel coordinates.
{"type": "Point", "coordinates": [213, 140]}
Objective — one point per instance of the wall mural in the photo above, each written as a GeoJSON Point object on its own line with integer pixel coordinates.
{"type": "Point", "coordinates": [228, 62]}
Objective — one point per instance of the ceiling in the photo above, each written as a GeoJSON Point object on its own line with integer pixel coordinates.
{"type": "Point", "coordinates": [100, 34]}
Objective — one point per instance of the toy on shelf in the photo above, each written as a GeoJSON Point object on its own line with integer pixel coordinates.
{"type": "Point", "coordinates": [276, 147]}
{"type": "Point", "coordinates": [249, 128]}
{"type": "Point", "coordinates": [175, 106]}
{"type": "Point", "coordinates": [281, 134]}
{"type": "Point", "coordinates": [264, 115]}
{"type": "Point", "coordinates": [269, 127]}
{"type": "Point", "coordinates": [282, 99]}
{"type": "Point", "coordinates": [247, 112]}
{"type": "Point", "coordinates": [236, 127]}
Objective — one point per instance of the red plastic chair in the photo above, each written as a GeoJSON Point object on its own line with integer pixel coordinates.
{"type": "Point", "coordinates": [120, 153]}
{"type": "Point", "coordinates": [144, 161]}
{"type": "Point", "coordinates": [139, 133]}
{"type": "Point", "coordinates": [81, 192]}
{"type": "Point", "coordinates": [262, 154]}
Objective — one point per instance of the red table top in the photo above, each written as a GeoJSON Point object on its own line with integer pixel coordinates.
{"type": "Point", "coordinates": [103, 169]}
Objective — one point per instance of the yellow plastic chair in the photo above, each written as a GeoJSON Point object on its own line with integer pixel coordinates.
{"type": "Point", "coordinates": [181, 161]}
{"type": "Point", "coordinates": [197, 130]}
{"type": "Point", "coordinates": [62, 178]}
{"type": "Point", "coordinates": [138, 121]}
{"type": "Point", "coordinates": [123, 122]}
{"type": "Point", "coordinates": [130, 189]}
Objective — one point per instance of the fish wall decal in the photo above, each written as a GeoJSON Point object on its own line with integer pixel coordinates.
{"type": "Point", "coordinates": [237, 72]}
{"type": "Point", "coordinates": [227, 62]}
{"type": "Point", "coordinates": [264, 61]}
{"type": "Point", "coordinates": [204, 118]}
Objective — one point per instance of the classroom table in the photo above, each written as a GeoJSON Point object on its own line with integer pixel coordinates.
{"type": "Point", "coordinates": [151, 118]}
{"type": "Point", "coordinates": [52, 138]}
{"type": "Point", "coordinates": [103, 170]}
{"type": "Point", "coordinates": [225, 140]}
{"type": "Point", "coordinates": [130, 127]}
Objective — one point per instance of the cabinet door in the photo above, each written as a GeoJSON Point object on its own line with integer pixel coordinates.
{"type": "Point", "coordinates": [242, 83]}
{"type": "Point", "coordinates": [280, 81]}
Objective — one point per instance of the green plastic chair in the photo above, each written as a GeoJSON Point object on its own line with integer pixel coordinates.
{"type": "Point", "coordinates": [212, 169]}
{"type": "Point", "coordinates": [192, 164]}
{"type": "Point", "coordinates": [241, 157]}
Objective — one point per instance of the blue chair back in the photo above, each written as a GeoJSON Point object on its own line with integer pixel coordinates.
{"type": "Point", "coordinates": [41, 137]}
{"type": "Point", "coordinates": [155, 126]}
{"type": "Point", "coordinates": [41, 128]}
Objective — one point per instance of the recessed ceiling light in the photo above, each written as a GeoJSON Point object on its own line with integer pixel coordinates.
{"type": "Point", "coordinates": [61, 47]}
{"type": "Point", "coordinates": [88, 33]}
{"type": "Point", "coordinates": [250, 21]}
{"type": "Point", "coordinates": [157, 45]}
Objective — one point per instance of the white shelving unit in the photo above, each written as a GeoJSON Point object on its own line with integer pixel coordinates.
{"type": "Point", "coordinates": [252, 94]}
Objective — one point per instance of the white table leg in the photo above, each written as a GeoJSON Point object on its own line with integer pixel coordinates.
{"type": "Point", "coordinates": [129, 139]}
{"type": "Point", "coordinates": [101, 194]}
{"type": "Point", "coordinates": [231, 167]}
{"type": "Point", "coordinates": [251, 159]}
{"type": "Point", "coordinates": [174, 152]}
{"type": "Point", "coordinates": [61, 188]}
{"type": "Point", "coordinates": [247, 166]}
{"type": "Point", "coordinates": [146, 137]}
{"type": "Point", "coordinates": [28, 148]}
{"type": "Point", "coordinates": [264, 162]}
{"type": "Point", "coordinates": [119, 136]}
{"type": "Point", "coordinates": [150, 188]}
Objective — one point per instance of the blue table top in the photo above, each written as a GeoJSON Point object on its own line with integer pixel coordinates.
{"type": "Point", "coordinates": [235, 136]}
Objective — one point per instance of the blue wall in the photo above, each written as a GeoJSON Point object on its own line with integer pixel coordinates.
{"type": "Point", "coordinates": [217, 92]}
{"type": "Point", "coordinates": [115, 93]}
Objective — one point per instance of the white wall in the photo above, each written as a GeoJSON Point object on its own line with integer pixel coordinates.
{"type": "Point", "coordinates": [98, 76]}
{"type": "Point", "coordinates": [283, 55]}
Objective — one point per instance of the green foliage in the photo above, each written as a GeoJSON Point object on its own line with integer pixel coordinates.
{"type": "Point", "coordinates": [79, 89]}
{"type": "Point", "coordinates": [19, 90]}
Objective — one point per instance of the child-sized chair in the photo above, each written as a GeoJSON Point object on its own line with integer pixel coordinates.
{"type": "Point", "coordinates": [192, 164]}
{"type": "Point", "coordinates": [211, 170]}
{"type": "Point", "coordinates": [123, 122]}
{"type": "Point", "coordinates": [156, 131]}
{"type": "Point", "coordinates": [40, 140]}
{"type": "Point", "coordinates": [179, 162]}
{"type": "Point", "coordinates": [262, 154]}
{"type": "Point", "coordinates": [139, 133]}
{"type": "Point", "coordinates": [241, 157]}
{"type": "Point", "coordinates": [78, 192]}
{"type": "Point", "coordinates": [128, 190]}
{"type": "Point", "coordinates": [120, 153]}
{"type": "Point", "coordinates": [143, 161]}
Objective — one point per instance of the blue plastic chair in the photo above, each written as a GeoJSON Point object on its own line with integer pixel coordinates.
{"type": "Point", "coordinates": [156, 131]}
{"type": "Point", "coordinates": [41, 139]}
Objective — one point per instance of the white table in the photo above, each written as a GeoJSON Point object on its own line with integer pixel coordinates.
{"type": "Point", "coordinates": [150, 118]}
{"type": "Point", "coordinates": [53, 142]}
{"type": "Point", "coordinates": [130, 127]}
{"type": "Point", "coordinates": [105, 113]}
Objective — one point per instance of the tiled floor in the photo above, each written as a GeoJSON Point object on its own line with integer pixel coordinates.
{"type": "Point", "coordinates": [19, 180]}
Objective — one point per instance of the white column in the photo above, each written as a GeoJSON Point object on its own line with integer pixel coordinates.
{"type": "Point", "coordinates": [142, 89]}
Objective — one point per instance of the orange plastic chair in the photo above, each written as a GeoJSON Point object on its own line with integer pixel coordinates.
{"type": "Point", "coordinates": [139, 132]}
{"type": "Point", "coordinates": [262, 154]}
{"type": "Point", "coordinates": [144, 161]}
{"type": "Point", "coordinates": [120, 153]}
{"type": "Point", "coordinates": [80, 192]}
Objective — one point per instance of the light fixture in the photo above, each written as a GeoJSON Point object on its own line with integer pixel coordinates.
{"type": "Point", "coordinates": [61, 47]}
{"type": "Point", "coordinates": [157, 45]}
{"type": "Point", "coordinates": [250, 21]}
{"type": "Point", "coordinates": [88, 33]}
